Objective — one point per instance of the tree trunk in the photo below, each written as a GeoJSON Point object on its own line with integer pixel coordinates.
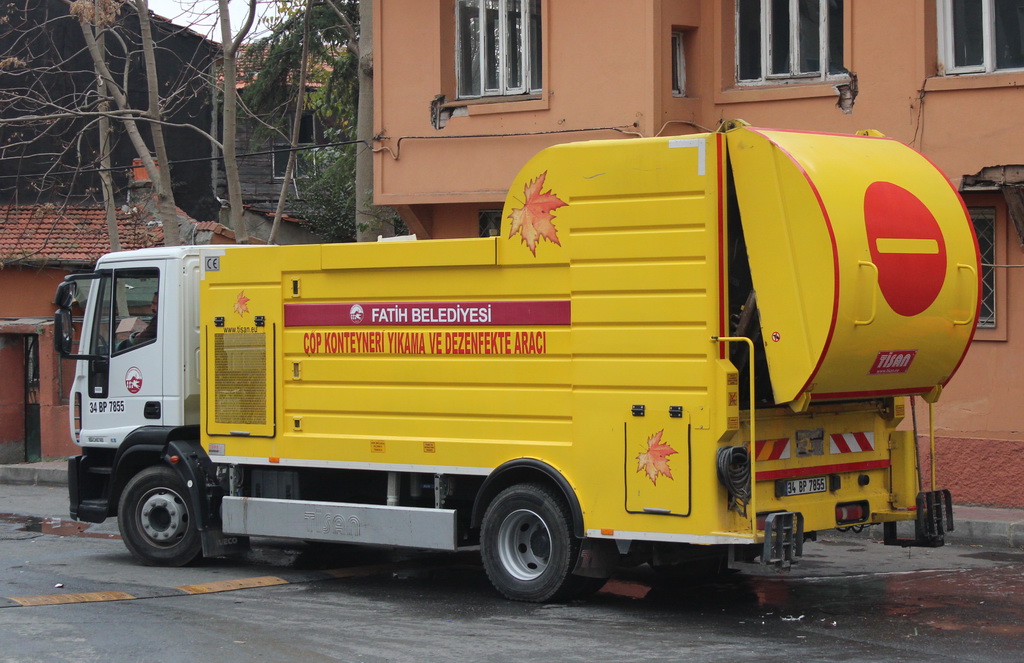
{"type": "Point", "coordinates": [106, 182]}
{"type": "Point", "coordinates": [162, 185]}
{"type": "Point", "coordinates": [368, 225]}
{"type": "Point", "coordinates": [130, 126]}
{"type": "Point", "coordinates": [231, 45]}
{"type": "Point", "coordinates": [300, 98]}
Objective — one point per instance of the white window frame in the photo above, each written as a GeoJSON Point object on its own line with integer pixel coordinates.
{"type": "Point", "coordinates": [794, 73]}
{"type": "Point", "coordinates": [504, 47]}
{"type": "Point", "coordinates": [947, 41]}
{"type": "Point", "coordinates": [678, 63]}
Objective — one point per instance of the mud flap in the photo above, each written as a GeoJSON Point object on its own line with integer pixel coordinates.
{"type": "Point", "coordinates": [216, 544]}
{"type": "Point", "coordinates": [934, 519]}
{"type": "Point", "coordinates": [598, 558]}
{"type": "Point", "coordinates": [783, 539]}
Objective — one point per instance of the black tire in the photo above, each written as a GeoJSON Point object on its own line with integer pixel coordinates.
{"type": "Point", "coordinates": [156, 519]}
{"type": "Point", "coordinates": [528, 548]}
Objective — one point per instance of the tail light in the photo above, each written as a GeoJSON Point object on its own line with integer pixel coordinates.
{"type": "Point", "coordinates": [848, 513]}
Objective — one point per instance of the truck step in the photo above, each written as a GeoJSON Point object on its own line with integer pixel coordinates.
{"type": "Point", "coordinates": [783, 539]}
{"type": "Point", "coordinates": [93, 511]}
{"type": "Point", "coordinates": [934, 519]}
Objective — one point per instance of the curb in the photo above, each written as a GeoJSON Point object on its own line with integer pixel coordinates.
{"type": "Point", "coordinates": [1009, 533]}
{"type": "Point", "coordinates": [52, 473]}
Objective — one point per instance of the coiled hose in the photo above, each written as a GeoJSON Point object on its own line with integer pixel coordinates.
{"type": "Point", "coordinates": [734, 474]}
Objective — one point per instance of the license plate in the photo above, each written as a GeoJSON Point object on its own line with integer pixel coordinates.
{"type": "Point", "coordinates": [804, 486]}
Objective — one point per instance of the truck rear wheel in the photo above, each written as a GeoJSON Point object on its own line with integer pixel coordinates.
{"type": "Point", "coordinates": [528, 548]}
{"type": "Point", "coordinates": [156, 519]}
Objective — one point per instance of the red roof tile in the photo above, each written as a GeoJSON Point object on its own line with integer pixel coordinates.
{"type": "Point", "coordinates": [48, 234]}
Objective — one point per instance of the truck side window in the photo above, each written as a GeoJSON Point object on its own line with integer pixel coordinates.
{"type": "Point", "coordinates": [126, 311]}
{"type": "Point", "coordinates": [100, 341]}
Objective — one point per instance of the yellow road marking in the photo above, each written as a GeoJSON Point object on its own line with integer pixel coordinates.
{"type": "Point", "coordinates": [230, 585]}
{"type": "Point", "coordinates": [204, 588]}
{"type": "Point", "coordinates": [60, 599]}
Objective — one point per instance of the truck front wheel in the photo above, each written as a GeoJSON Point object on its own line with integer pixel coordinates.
{"type": "Point", "coordinates": [156, 520]}
{"type": "Point", "coordinates": [528, 548]}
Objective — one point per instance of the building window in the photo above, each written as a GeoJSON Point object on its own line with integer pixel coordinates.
{"type": "Point", "coordinates": [788, 39]}
{"type": "Point", "coordinates": [490, 222]}
{"type": "Point", "coordinates": [984, 219]}
{"type": "Point", "coordinates": [980, 36]}
{"type": "Point", "coordinates": [678, 63]}
{"type": "Point", "coordinates": [498, 47]}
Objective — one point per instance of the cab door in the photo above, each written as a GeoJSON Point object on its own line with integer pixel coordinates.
{"type": "Point", "coordinates": [124, 378]}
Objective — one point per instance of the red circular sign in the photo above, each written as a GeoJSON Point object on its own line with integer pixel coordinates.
{"type": "Point", "coordinates": [906, 245]}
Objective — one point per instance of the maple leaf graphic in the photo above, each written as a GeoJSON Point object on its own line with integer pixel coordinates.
{"type": "Point", "coordinates": [654, 460]}
{"type": "Point", "coordinates": [241, 303]}
{"type": "Point", "coordinates": [532, 221]}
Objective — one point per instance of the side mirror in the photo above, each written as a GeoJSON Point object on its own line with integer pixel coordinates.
{"type": "Point", "coordinates": [63, 331]}
{"type": "Point", "coordinates": [67, 292]}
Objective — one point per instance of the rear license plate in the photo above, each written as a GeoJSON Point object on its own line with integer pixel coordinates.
{"type": "Point", "coordinates": [803, 486]}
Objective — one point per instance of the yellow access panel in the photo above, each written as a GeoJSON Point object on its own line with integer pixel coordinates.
{"type": "Point", "coordinates": [859, 248]}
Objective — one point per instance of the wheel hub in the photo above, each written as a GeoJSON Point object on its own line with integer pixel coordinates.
{"type": "Point", "coordinates": [524, 545]}
{"type": "Point", "coordinates": [162, 515]}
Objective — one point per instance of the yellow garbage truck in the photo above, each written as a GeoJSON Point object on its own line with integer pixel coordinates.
{"type": "Point", "coordinates": [685, 351]}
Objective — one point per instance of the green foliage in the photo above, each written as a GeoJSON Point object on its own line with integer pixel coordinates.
{"type": "Point", "coordinates": [327, 196]}
{"type": "Point", "coordinates": [271, 69]}
{"type": "Point", "coordinates": [329, 200]}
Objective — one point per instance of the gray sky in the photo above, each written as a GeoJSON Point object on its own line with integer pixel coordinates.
{"type": "Point", "coordinates": [201, 15]}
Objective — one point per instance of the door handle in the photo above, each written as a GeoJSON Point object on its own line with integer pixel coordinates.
{"type": "Point", "coordinates": [151, 410]}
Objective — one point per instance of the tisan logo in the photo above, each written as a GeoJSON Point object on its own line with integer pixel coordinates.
{"type": "Point", "coordinates": [892, 361]}
{"type": "Point", "coordinates": [356, 314]}
{"type": "Point", "coordinates": [133, 380]}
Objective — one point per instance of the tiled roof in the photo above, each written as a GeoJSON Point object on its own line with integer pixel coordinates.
{"type": "Point", "coordinates": [50, 234]}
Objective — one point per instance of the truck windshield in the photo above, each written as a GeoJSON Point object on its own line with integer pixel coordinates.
{"type": "Point", "coordinates": [126, 311]}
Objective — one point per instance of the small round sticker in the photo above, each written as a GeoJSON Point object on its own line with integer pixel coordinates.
{"type": "Point", "coordinates": [776, 336]}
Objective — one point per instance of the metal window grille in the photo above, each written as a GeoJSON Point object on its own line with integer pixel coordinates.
{"type": "Point", "coordinates": [984, 219]}
{"type": "Point", "coordinates": [490, 222]}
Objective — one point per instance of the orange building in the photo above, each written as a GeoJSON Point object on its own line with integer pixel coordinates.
{"type": "Point", "coordinates": [39, 245]}
{"type": "Point", "coordinates": [467, 90]}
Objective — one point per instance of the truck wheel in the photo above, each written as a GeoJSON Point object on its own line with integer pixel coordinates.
{"type": "Point", "coordinates": [528, 548]}
{"type": "Point", "coordinates": [156, 519]}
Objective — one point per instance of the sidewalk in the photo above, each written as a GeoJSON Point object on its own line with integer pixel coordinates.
{"type": "Point", "coordinates": [975, 525]}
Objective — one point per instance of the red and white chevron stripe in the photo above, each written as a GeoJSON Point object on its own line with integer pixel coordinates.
{"type": "Point", "coordinates": [773, 449]}
{"type": "Point", "coordinates": [848, 443]}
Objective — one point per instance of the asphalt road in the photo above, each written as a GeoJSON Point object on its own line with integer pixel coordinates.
{"type": "Point", "coordinates": [72, 593]}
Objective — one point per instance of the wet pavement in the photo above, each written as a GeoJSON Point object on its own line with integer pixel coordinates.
{"type": "Point", "coordinates": [70, 591]}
